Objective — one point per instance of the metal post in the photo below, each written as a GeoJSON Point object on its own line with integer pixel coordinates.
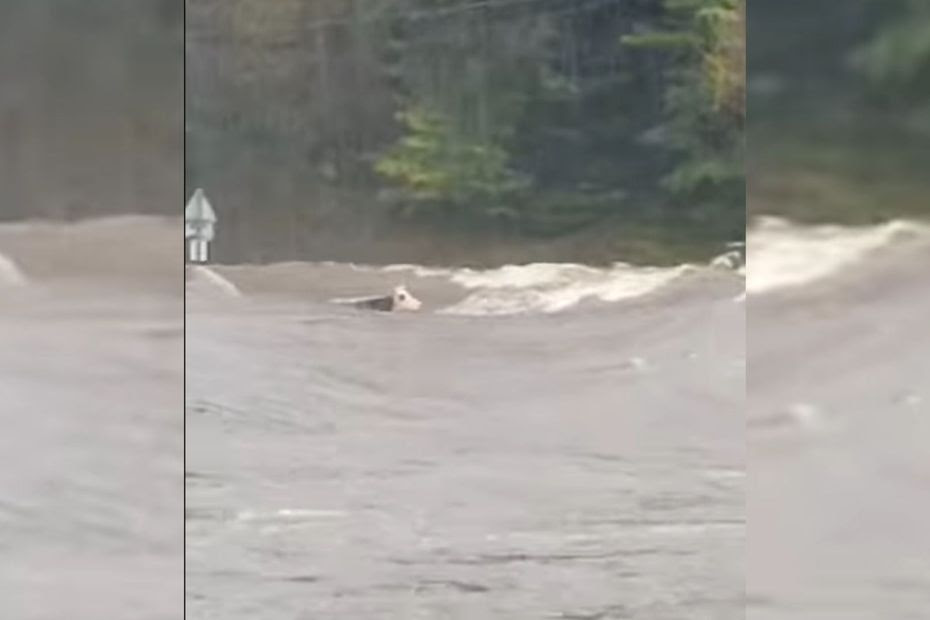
{"type": "Point", "coordinates": [199, 223]}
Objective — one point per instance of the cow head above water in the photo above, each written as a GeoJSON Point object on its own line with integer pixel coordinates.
{"type": "Point", "coordinates": [403, 300]}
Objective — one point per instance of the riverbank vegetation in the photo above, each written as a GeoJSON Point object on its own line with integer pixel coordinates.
{"type": "Point", "coordinates": [90, 108]}
{"type": "Point", "coordinates": [531, 119]}
{"type": "Point", "coordinates": [840, 100]}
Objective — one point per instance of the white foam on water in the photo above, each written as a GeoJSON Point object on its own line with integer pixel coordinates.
{"type": "Point", "coordinates": [910, 399]}
{"type": "Point", "coordinates": [524, 276]}
{"type": "Point", "coordinates": [554, 287]}
{"type": "Point", "coordinates": [807, 416]}
{"type": "Point", "coordinates": [419, 271]}
{"type": "Point", "coordinates": [732, 260]}
{"type": "Point", "coordinates": [782, 254]}
{"type": "Point", "coordinates": [10, 273]}
{"type": "Point", "coordinates": [289, 514]}
{"type": "Point", "coordinates": [308, 513]}
{"type": "Point", "coordinates": [204, 276]}
{"type": "Point", "coordinates": [350, 300]}
{"type": "Point", "coordinates": [725, 474]}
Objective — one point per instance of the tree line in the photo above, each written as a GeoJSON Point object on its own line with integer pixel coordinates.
{"type": "Point", "coordinates": [90, 107]}
{"type": "Point", "coordinates": [538, 118]}
{"type": "Point", "coordinates": [839, 94]}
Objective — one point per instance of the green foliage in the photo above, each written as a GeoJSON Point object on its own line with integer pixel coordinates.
{"type": "Point", "coordinates": [897, 58]}
{"type": "Point", "coordinates": [514, 132]}
{"type": "Point", "coordinates": [528, 116]}
{"type": "Point", "coordinates": [704, 102]}
{"type": "Point", "coordinates": [844, 142]}
{"type": "Point", "coordinates": [440, 169]}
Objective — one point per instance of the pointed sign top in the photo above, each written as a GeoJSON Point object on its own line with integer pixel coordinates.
{"type": "Point", "coordinates": [198, 208]}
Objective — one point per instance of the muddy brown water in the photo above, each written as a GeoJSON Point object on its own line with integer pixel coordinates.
{"type": "Point", "coordinates": [91, 390]}
{"type": "Point", "coordinates": [581, 464]}
{"type": "Point", "coordinates": [839, 420]}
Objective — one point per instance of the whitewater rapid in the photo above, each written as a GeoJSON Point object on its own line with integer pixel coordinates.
{"type": "Point", "coordinates": [509, 290]}
{"type": "Point", "coordinates": [10, 273]}
{"type": "Point", "coordinates": [782, 254]}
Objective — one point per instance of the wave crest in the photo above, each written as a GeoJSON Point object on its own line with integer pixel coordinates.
{"type": "Point", "coordinates": [782, 254]}
{"type": "Point", "coordinates": [551, 287]}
